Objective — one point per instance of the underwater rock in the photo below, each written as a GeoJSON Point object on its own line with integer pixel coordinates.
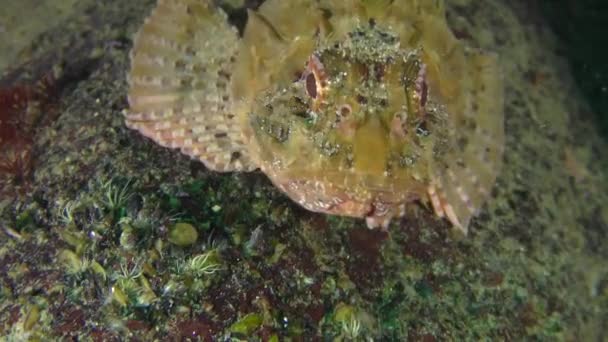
{"type": "Point", "coordinates": [532, 267]}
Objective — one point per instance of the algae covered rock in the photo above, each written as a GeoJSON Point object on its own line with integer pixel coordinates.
{"type": "Point", "coordinates": [195, 254]}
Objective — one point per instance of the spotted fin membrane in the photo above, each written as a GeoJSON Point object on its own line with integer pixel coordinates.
{"type": "Point", "coordinates": [466, 176]}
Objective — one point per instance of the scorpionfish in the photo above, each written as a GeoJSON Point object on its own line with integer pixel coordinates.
{"type": "Point", "coordinates": [350, 107]}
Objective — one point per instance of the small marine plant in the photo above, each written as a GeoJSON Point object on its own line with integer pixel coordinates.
{"type": "Point", "coordinates": [129, 273]}
{"type": "Point", "coordinates": [115, 196]}
{"type": "Point", "coordinates": [192, 276]}
{"type": "Point", "coordinates": [80, 267]}
{"type": "Point", "coordinates": [351, 329]}
{"type": "Point", "coordinates": [347, 323]}
{"type": "Point", "coordinates": [15, 161]}
{"type": "Point", "coordinates": [131, 288]}
{"type": "Point", "coordinates": [66, 216]}
{"type": "Point", "coordinates": [203, 264]}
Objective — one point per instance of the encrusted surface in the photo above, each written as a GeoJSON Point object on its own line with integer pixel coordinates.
{"type": "Point", "coordinates": [90, 251]}
{"type": "Point", "coordinates": [17, 32]}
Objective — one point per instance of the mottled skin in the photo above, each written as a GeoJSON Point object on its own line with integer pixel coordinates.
{"type": "Point", "coordinates": [352, 108]}
{"type": "Point", "coordinates": [351, 135]}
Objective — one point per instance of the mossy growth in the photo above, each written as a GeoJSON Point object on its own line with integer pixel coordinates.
{"type": "Point", "coordinates": [86, 255]}
{"type": "Point", "coordinates": [122, 256]}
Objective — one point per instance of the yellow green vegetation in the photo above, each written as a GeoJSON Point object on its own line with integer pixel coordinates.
{"type": "Point", "coordinates": [86, 252]}
{"type": "Point", "coordinates": [183, 234]}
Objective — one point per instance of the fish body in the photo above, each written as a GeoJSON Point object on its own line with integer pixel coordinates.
{"type": "Point", "coordinates": [354, 108]}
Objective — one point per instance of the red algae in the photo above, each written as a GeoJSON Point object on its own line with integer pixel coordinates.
{"type": "Point", "coordinates": [200, 328]}
{"type": "Point", "coordinates": [365, 269]}
{"type": "Point", "coordinates": [24, 108]}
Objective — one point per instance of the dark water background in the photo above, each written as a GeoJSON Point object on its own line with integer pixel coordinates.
{"type": "Point", "coordinates": [582, 26]}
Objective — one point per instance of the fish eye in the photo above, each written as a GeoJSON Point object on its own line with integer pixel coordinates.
{"type": "Point", "coordinates": [311, 85]}
{"type": "Point", "coordinates": [345, 110]}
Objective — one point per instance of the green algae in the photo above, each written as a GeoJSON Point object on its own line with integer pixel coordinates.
{"type": "Point", "coordinates": [247, 325]}
{"type": "Point", "coordinates": [74, 250]}
{"type": "Point", "coordinates": [182, 234]}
